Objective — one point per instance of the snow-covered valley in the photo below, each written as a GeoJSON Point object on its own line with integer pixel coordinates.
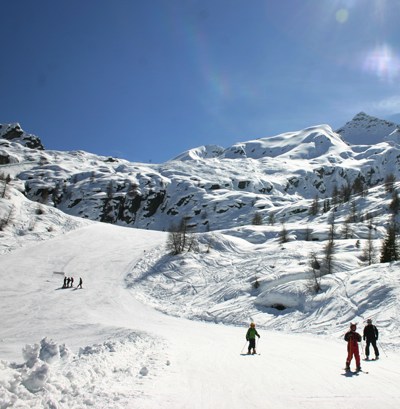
{"type": "Point", "coordinates": [107, 346]}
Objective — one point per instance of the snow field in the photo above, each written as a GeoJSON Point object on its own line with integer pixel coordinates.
{"type": "Point", "coordinates": [107, 346]}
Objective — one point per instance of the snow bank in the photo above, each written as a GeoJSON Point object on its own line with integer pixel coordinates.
{"type": "Point", "coordinates": [99, 376]}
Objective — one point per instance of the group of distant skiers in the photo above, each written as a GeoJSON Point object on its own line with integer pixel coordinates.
{"type": "Point", "coordinates": [69, 282]}
{"type": "Point", "coordinates": [370, 335]}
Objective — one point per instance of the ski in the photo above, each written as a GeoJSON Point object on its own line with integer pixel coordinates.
{"type": "Point", "coordinates": [355, 371]}
{"type": "Point", "coordinates": [250, 354]}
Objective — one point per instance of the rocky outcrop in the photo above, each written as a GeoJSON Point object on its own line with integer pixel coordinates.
{"type": "Point", "coordinates": [14, 133]}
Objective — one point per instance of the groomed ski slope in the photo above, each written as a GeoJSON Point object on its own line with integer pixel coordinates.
{"type": "Point", "coordinates": [120, 353]}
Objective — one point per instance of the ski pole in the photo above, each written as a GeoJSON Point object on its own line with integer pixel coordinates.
{"type": "Point", "coordinates": [380, 346]}
{"type": "Point", "coordinates": [243, 347]}
{"type": "Point", "coordinates": [362, 349]}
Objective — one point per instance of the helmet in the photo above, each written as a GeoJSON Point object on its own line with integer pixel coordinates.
{"type": "Point", "coordinates": [252, 325]}
{"type": "Point", "coordinates": [369, 321]}
{"type": "Point", "coordinates": [353, 327]}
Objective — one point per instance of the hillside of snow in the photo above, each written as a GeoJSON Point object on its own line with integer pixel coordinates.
{"type": "Point", "coordinates": [150, 329]}
{"type": "Point", "coordinates": [125, 341]}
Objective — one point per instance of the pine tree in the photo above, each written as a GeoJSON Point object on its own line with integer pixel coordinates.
{"type": "Point", "coordinates": [353, 212]}
{"type": "Point", "coordinates": [315, 276]}
{"type": "Point", "coordinates": [257, 219]}
{"type": "Point", "coordinates": [283, 236]}
{"type": "Point", "coordinates": [335, 196]}
{"type": "Point", "coordinates": [307, 233]}
{"type": "Point", "coordinates": [271, 218]}
{"type": "Point", "coordinates": [369, 252]}
{"type": "Point", "coordinates": [345, 193]}
{"type": "Point", "coordinates": [390, 250]}
{"type": "Point", "coordinates": [346, 230]}
{"type": "Point", "coordinates": [313, 211]}
{"type": "Point", "coordinates": [327, 206]}
{"type": "Point", "coordinates": [389, 182]}
{"type": "Point", "coordinates": [358, 185]}
{"type": "Point", "coordinates": [329, 251]}
{"type": "Point", "coordinates": [394, 205]}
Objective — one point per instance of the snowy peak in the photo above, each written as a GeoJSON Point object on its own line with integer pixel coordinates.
{"type": "Point", "coordinates": [364, 129]}
{"type": "Point", "coordinates": [309, 143]}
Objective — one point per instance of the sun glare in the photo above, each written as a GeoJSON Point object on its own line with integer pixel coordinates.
{"type": "Point", "coordinates": [383, 62]}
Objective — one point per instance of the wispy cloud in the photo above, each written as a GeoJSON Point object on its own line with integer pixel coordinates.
{"type": "Point", "coordinates": [390, 105]}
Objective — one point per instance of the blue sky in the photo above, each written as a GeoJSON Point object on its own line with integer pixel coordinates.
{"type": "Point", "coordinates": [145, 80]}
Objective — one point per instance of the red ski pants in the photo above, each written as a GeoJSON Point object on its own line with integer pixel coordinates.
{"type": "Point", "coordinates": [352, 350]}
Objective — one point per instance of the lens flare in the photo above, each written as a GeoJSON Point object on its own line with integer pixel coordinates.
{"type": "Point", "coordinates": [383, 62]}
{"type": "Point", "coordinates": [342, 15]}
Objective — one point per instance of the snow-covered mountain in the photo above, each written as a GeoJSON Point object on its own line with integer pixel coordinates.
{"type": "Point", "coordinates": [109, 346]}
{"type": "Point", "coordinates": [367, 130]}
{"type": "Point", "coordinates": [210, 186]}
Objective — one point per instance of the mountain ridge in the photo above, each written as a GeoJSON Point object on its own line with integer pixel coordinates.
{"type": "Point", "coordinates": [367, 130]}
{"type": "Point", "coordinates": [211, 186]}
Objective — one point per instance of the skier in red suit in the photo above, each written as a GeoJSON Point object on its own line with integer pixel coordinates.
{"type": "Point", "coordinates": [353, 338]}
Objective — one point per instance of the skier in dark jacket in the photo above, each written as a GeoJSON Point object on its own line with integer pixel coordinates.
{"type": "Point", "coordinates": [352, 338]}
{"type": "Point", "coordinates": [251, 337]}
{"type": "Point", "coordinates": [371, 336]}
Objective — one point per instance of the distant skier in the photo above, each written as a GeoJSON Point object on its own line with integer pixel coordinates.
{"type": "Point", "coordinates": [80, 283]}
{"type": "Point", "coordinates": [352, 338]}
{"type": "Point", "coordinates": [72, 281]}
{"type": "Point", "coordinates": [251, 337]}
{"type": "Point", "coordinates": [371, 336]}
{"type": "Point", "coordinates": [65, 282]}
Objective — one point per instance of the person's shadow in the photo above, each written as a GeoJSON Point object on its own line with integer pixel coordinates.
{"type": "Point", "coordinates": [350, 374]}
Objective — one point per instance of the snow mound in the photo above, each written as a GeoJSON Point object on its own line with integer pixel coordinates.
{"type": "Point", "coordinates": [103, 375]}
{"type": "Point", "coordinates": [25, 222]}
